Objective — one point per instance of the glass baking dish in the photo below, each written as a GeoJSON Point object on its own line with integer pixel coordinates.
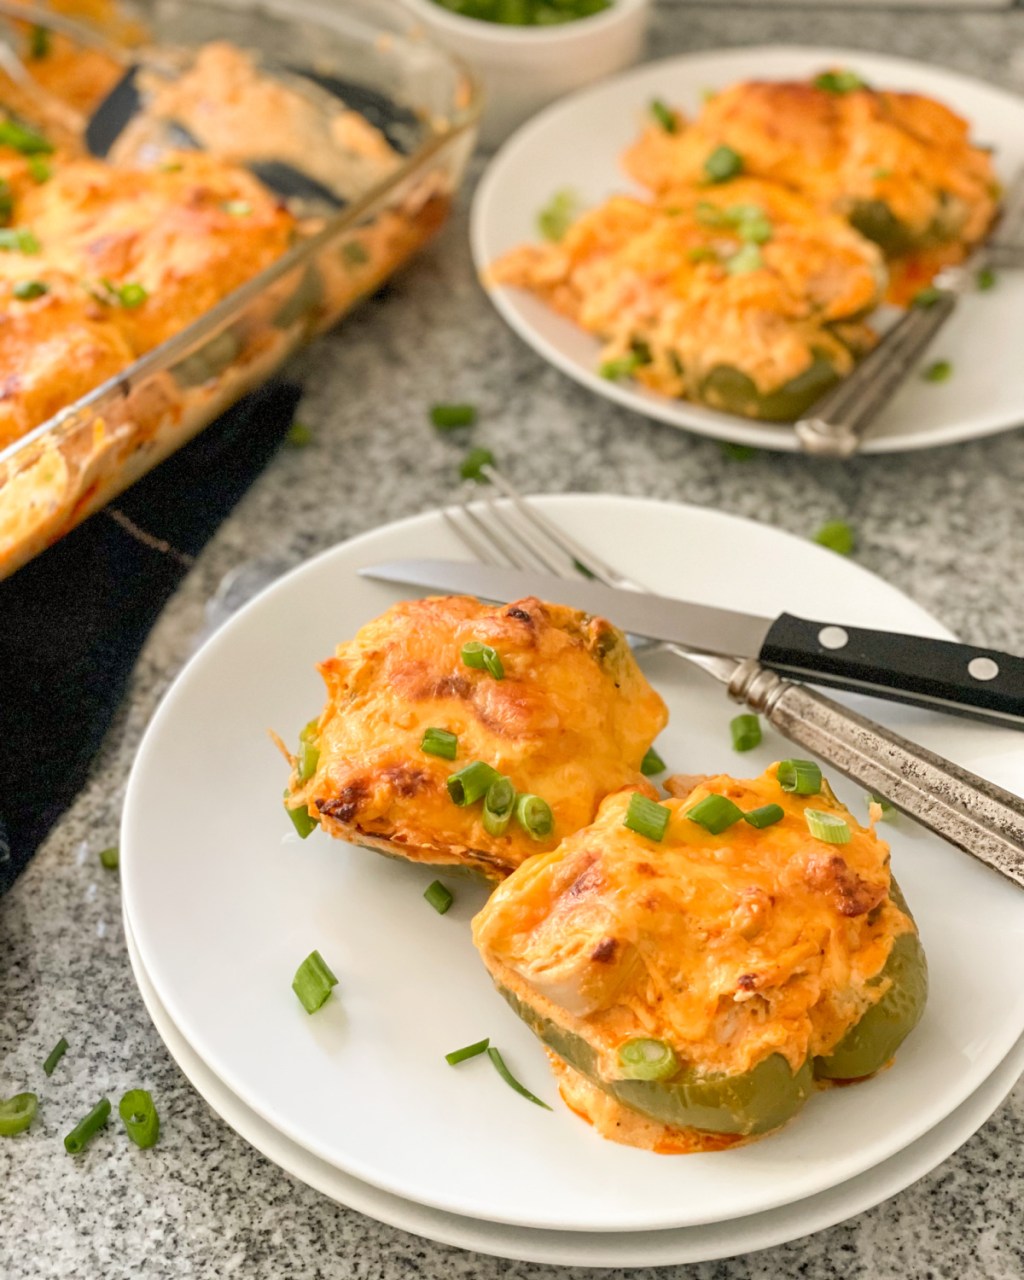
{"type": "Point", "coordinates": [86, 454]}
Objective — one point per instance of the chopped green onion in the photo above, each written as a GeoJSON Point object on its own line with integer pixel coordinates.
{"type": "Point", "coordinates": [470, 783]}
{"type": "Point", "coordinates": [23, 139]}
{"type": "Point", "coordinates": [985, 279]}
{"type": "Point", "coordinates": [938, 371]}
{"type": "Point", "coordinates": [737, 452]}
{"type": "Point", "coordinates": [745, 260]}
{"type": "Point", "coordinates": [926, 297]}
{"type": "Point", "coordinates": [87, 1127]}
{"type": "Point", "coordinates": [511, 1081]}
{"type": "Point", "coordinates": [17, 1113]}
{"type": "Point", "coordinates": [766, 816]}
{"type": "Point", "coordinates": [237, 208]}
{"type": "Point", "coordinates": [702, 253]}
{"type": "Point", "coordinates": [535, 816]}
{"type": "Point", "coordinates": [26, 290]}
{"type": "Point", "coordinates": [131, 296]}
{"type": "Point", "coordinates": [746, 732]}
{"type": "Point", "coordinates": [829, 827]}
{"type": "Point", "coordinates": [715, 814]}
{"type": "Point", "coordinates": [558, 215]}
{"type": "Point", "coordinates": [40, 170]}
{"type": "Point", "coordinates": [470, 1051]}
{"type": "Point", "coordinates": [6, 202]}
{"type": "Point", "coordinates": [38, 43]}
{"type": "Point", "coordinates": [140, 1119]}
{"type": "Point", "coordinates": [18, 240]}
{"type": "Point", "coordinates": [839, 82]}
{"type": "Point", "coordinates": [440, 742]}
{"type": "Point", "coordinates": [722, 164]}
{"type": "Point", "coordinates": [837, 536]}
{"type": "Point", "coordinates": [755, 230]}
{"type": "Point", "coordinates": [299, 436]}
{"type": "Point", "coordinates": [309, 751]}
{"type": "Point", "coordinates": [56, 1053]}
{"type": "Point", "coordinates": [664, 116]}
{"type": "Point", "coordinates": [473, 464]}
{"type": "Point", "coordinates": [483, 658]}
{"type": "Point", "coordinates": [646, 817]}
{"type": "Point", "coordinates": [448, 416]}
{"type": "Point", "coordinates": [889, 810]}
{"type": "Point", "coordinates": [652, 763]}
{"type": "Point", "coordinates": [499, 806]}
{"type": "Point", "coordinates": [439, 897]}
{"type": "Point", "coordinates": [110, 858]}
{"type": "Point", "coordinates": [647, 1059]}
{"type": "Point", "coordinates": [301, 820]}
{"type": "Point", "coordinates": [800, 777]}
{"type": "Point", "coordinates": [710, 215]}
{"type": "Point", "coordinates": [623, 367]}
{"type": "Point", "coordinates": [313, 982]}
{"type": "Point", "coordinates": [355, 254]}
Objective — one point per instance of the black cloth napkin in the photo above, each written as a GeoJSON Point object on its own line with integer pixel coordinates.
{"type": "Point", "coordinates": [73, 620]}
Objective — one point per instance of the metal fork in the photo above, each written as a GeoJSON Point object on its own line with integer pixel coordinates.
{"type": "Point", "coordinates": [970, 812]}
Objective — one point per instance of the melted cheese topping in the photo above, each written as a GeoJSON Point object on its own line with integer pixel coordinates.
{"type": "Point", "coordinates": [570, 722]}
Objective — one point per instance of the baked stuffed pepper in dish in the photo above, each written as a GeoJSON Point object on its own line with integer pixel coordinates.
{"type": "Point", "coordinates": [696, 966]}
{"type": "Point", "coordinates": [463, 734]}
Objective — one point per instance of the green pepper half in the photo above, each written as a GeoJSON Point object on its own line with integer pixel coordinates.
{"type": "Point", "coordinates": [733, 391]}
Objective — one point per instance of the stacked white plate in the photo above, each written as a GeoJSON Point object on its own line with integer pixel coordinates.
{"type": "Point", "coordinates": [222, 903]}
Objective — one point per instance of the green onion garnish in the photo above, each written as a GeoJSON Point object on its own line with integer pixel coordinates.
{"type": "Point", "coordinates": [299, 436]}
{"type": "Point", "coordinates": [440, 742]}
{"type": "Point", "coordinates": [664, 116]}
{"type": "Point", "coordinates": [17, 1113]}
{"type": "Point", "coordinates": [646, 817]}
{"type": "Point", "coordinates": [448, 416]}
{"type": "Point", "coordinates": [737, 452]}
{"type": "Point", "coordinates": [137, 1111]}
{"type": "Point", "coordinates": [26, 290]}
{"type": "Point", "coordinates": [473, 464]}
{"type": "Point", "coordinates": [985, 279]}
{"type": "Point", "coordinates": [837, 536]}
{"type": "Point", "coordinates": [722, 164]}
{"type": "Point", "coordinates": [511, 1081]}
{"type": "Point", "coordinates": [87, 1127]}
{"type": "Point", "coordinates": [766, 816]}
{"type": "Point", "coordinates": [652, 763]}
{"type": "Point", "coordinates": [483, 658]}
{"type": "Point", "coordinates": [309, 751]}
{"type": "Point", "coordinates": [470, 1051]}
{"type": "Point", "coordinates": [313, 982]}
{"type": "Point", "coordinates": [355, 254]}
{"type": "Point", "coordinates": [110, 858]}
{"type": "Point", "coordinates": [558, 215]}
{"type": "Point", "coordinates": [131, 296]}
{"type": "Point", "coordinates": [56, 1053]}
{"type": "Point", "coordinates": [647, 1059]}
{"type": "Point", "coordinates": [237, 208]}
{"type": "Point", "coordinates": [702, 253]}
{"type": "Point", "coordinates": [839, 82]}
{"type": "Point", "coordinates": [535, 816]}
{"type": "Point", "coordinates": [470, 783]}
{"type": "Point", "coordinates": [18, 240]}
{"type": "Point", "coordinates": [301, 820]}
{"type": "Point", "coordinates": [38, 42]}
{"type": "Point", "coordinates": [801, 777]}
{"type": "Point", "coordinates": [938, 371]}
{"type": "Point", "coordinates": [889, 810]}
{"type": "Point", "coordinates": [746, 732]}
{"type": "Point", "coordinates": [499, 805]}
{"type": "Point", "coordinates": [6, 202]}
{"type": "Point", "coordinates": [439, 897]}
{"type": "Point", "coordinates": [623, 367]}
{"type": "Point", "coordinates": [745, 260]}
{"type": "Point", "coordinates": [829, 827]}
{"type": "Point", "coordinates": [715, 814]}
{"type": "Point", "coordinates": [40, 170]}
{"type": "Point", "coordinates": [926, 297]}
{"type": "Point", "coordinates": [23, 139]}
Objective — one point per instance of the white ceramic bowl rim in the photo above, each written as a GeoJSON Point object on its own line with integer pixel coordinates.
{"type": "Point", "coordinates": [500, 33]}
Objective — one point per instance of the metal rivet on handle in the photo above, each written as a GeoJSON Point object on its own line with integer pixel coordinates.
{"type": "Point", "coordinates": [833, 638]}
{"type": "Point", "coordinates": [983, 668]}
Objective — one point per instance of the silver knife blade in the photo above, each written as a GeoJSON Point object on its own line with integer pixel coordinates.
{"type": "Point", "coordinates": [695, 626]}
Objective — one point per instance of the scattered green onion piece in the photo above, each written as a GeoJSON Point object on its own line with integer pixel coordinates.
{"type": "Point", "coordinates": [439, 897]}
{"type": "Point", "coordinates": [800, 777]}
{"type": "Point", "coordinates": [299, 436]}
{"type": "Point", "coordinates": [470, 784]}
{"type": "Point", "coordinates": [309, 751]}
{"type": "Point", "coordinates": [473, 464]}
{"type": "Point", "coordinates": [737, 452]}
{"type": "Point", "coordinates": [355, 254]}
{"type": "Point", "coordinates": [889, 810]}
{"type": "Point", "coordinates": [829, 827]}
{"type": "Point", "coordinates": [715, 814]}
{"type": "Point", "coordinates": [56, 1053]}
{"type": "Point", "coordinates": [440, 742]}
{"type": "Point", "coordinates": [110, 858]}
{"type": "Point", "coordinates": [837, 536]}
{"type": "Point", "coordinates": [38, 43]}
{"type": "Point", "coordinates": [313, 982]}
{"type": "Point", "coordinates": [131, 295]}
{"type": "Point", "coordinates": [301, 820]}
{"type": "Point", "coordinates": [19, 240]}
{"type": "Point", "coordinates": [745, 260]}
{"type": "Point", "coordinates": [558, 215]}
{"type": "Point", "coordinates": [722, 164]}
{"type": "Point", "coordinates": [17, 1113]}
{"type": "Point", "coordinates": [926, 297]}
{"type": "Point", "coordinates": [23, 139]}
{"type": "Point", "coordinates": [766, 816]}
{"type": "Point", "coordinates": [446, 417]}
{"type": "Point", "coordinates": [535, 816]}
{"type": "Point", "coordinates": [6, 202]}
{"type": "Point", "coordinates": [710, 215]}
{"type": "Point", "coordinates": [842, 81]}
{"type": "Point", "coordinates": [623, 367]}
{"type": "Point", "coordinates": [664, 116]}
{"type": "Point", "coordinates": [483, 658]}
{"type": "Point", "coordinates": [499, 806]}
{"type": "Point", "coordinates": [87, 1127]}
{"type": "Point", "coordinates": [511, 1081]}
{"type": "Point", "coordinates": [470, 1051]}
{"type": "Point", "coordinates": [26, 290]}
{"type": "Point", "coordinates": [985, 279]}
{"type": "Point", "coordinates": [938, 371]}
{"type": "Point", "coordinates": [40, 170]}
{"type": "Point", "coordinates": [746, 732]}
{"type": "Point", "coordinates": [646, 817]}
{"type": "Point", "coordinates": [755, 230]}
{"type": "Point", "coordinates": [237, 208]}
{"type": "Point", "coordinates": [652, 763]}
{"type": "Point", "coordinates": [140, 1117]}
{"type": "Point", "coordinates": [647, 1059]}
{"type": "Point", "coordinates": [702, 253]}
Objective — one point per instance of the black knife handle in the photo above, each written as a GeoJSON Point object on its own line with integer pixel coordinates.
{"type": "Point", "coordinates": [982, 683]}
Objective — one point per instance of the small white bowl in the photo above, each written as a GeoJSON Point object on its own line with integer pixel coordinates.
{"type": "Point", "coordinates": [525, 68]}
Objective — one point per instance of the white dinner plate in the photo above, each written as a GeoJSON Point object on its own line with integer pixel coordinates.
{"type": "Point", "coordinates": [578, 1248]}
{"type": "Point", "coordinates": [577, 143]}
{"type": "Point", "coordinates": [224, 904]}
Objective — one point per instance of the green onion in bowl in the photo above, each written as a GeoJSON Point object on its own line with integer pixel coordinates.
{"type": "Point", "coordinates": [525, 13]}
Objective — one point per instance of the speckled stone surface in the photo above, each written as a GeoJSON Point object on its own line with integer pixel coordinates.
{"type": "Point", "coordinates": [946, 526]}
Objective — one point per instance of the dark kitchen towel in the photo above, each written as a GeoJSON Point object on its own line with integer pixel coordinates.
{"type": "Point", "coordinates": [73, 620]}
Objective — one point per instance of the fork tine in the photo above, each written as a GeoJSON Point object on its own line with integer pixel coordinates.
{"type": "Point", "coordinates": [542, 552]}
{"type": "Point", "coordinates": [506, 548]}
{"type": "Point", "coordinates": [458, 521]}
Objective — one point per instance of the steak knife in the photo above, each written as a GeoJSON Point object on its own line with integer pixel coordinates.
{"type": "Point", "coordinates": [943, 675]}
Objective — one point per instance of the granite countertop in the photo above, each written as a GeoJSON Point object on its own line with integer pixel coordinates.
{"type": "Point", "coordinates": [945, 526]}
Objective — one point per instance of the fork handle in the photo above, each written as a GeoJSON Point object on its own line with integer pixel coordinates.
{"type": "Point", "coordinates": [842, 416]}
{"type": "Point", "coordinates": [970, 812]}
